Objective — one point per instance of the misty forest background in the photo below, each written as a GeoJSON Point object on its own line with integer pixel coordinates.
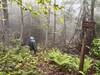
{"type": "Point", "coordinates": [64, 25]}
{"type": "Point", "coordinates": [67, 33]}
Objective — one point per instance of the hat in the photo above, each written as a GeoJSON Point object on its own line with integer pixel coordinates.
{"type": "Point", "coordinates": [32, 38]}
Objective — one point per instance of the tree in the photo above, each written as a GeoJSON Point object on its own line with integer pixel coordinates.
{"type": "Point", "coordinates": [5, 21]}
{"type": "Point", "coordinates": [54, 33]}
{"type": "Point", "coordinates": [88, 27]}
{"type": "Point", "coordinates": [64, 28]}
{"type": "Point", "coordinates": [43, 10]}
{"type": "Point", "coordinates": [92, 16]}
{"type": "Point", "coordinates": [92, 9]}
{"type": "Point", "coordinates": [22, 20]}
{"type": "Point", "coordinates": [48, 25]}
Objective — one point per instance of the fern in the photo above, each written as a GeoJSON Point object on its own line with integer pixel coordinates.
{"type": "Point", "coordinates": [17, 62]}
{"type": "Point", "coordinates": [87, 64]}
{"type": "Point", "coordinates": [98, 67]}
{"type": "Point", "coordinates": [71, 62]}
{"type": "Point", "coordinates": [63, 59]}
{"type": "Point", "coordinates": [96, 47]}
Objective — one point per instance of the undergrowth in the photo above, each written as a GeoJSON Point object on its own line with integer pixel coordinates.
{"type": "Point", "coordinates": [18, 60]}
{"type": "Point", "coordinates": [68, 61]}
{"type": "Point", "coordinates": [96, 48]}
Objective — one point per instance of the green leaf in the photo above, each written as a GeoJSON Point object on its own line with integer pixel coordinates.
{"type": "Point", "coordinates": [82, 72]}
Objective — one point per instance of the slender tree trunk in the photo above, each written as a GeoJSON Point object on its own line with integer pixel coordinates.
{"type": "Point", "coordinates": [5, 22]}
{"type": "Point", "coordinates": [22, 25]}
{"type": "Point", "coordinates": [88, 27]}
{"type": "Point", "coordinates": [47, 29]}
{"type": "Point", "coordinates": [54, 36]}
{"type": "Point", "coordinates": [92, 15]}
{"type": "Point", "coordinates": [82, 53]}
{"type": "Point", "coordinates": [91, 32]}
{"type": "Point", "coordinates": [92, 9]}
{"type": "Point", "coordinates": [64, 28]}
{"type": "Point", "coordinates": [46, 40]}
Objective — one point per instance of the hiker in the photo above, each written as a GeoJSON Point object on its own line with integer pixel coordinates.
{"type": "Point", "coordinates": [32, 45]}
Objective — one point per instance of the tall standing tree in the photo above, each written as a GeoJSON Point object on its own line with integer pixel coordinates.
{"type": "Point", "coordinates": [92, 16]}
{"type": "Point", "coordinates": [5, 21]}
{"type": "Point", "coordinates": [22, 20]}
{"type": "Point", "coordinates": [88, 27]}
{"type": "Point", "coordinates": [54, 33]}
{"type": "Point", "coordinates": [48, 26]}
{"type": "Point", "coordinates": [64, 27]}
{"type": "Point", "coordinates": [20, 3]}
{"type": "Point", "coordinates": [92, 9]}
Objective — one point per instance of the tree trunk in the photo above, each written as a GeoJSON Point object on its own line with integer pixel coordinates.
{"type": "Point", "coordinates": [88, 27]}
{"type": "Point", "coordinates": [89, 24]}
{"type": "Point", "coordinates": [64, 28]}
{"type": "Point", "coordinates": [47, 29]}
{"type": "Point", "coordinates": [22, 26]}
{"type": "Point", "coordinates": [92, 9]}
{"type": "Point", "coordinates": [91, 31]}
{"type": "Point", "coordinates": [54, 36]}
{"type": "Point", "coordinates": [5, 22]}
{"type": "Point", "coordinates": [82, 53]}
{"type": "Point", "coordinates": [92, 15]}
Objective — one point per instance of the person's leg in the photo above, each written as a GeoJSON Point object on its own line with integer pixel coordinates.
{"type": "Point", "coordinates": [31, 50]}
{"type": "Point", "coordinates": [34, 51]}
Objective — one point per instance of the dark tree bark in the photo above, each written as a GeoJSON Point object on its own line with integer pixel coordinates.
{"type": "Point", "coordinates": [91, 28]}
{"type": "Point", "coordinates": [82, 53]}
{"type": "Point", "coordinates": [92, 9]}
{"type": "Point", "coordinates": [88, 27]}
{"type": "Point", "coordinates": [92, 15]}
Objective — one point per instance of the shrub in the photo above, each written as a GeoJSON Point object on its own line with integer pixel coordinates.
{"type": "Point", "coordinates": [97, 65]}
{"type": "Point", "coordinates": [96, 47]}
{"type": "Point", "coordinates": [88, 64]}
{"type": "Point", "coordinates": [68, 61]}
{"type": "Point", "coordinates": [17, 62]}
{"type": "Point", "coordinates": [64, 60]}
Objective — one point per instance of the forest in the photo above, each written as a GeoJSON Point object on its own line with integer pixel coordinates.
{"type": "Point", "coordinates": [49, 37]}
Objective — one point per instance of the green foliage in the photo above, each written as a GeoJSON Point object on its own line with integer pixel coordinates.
{"type": "Point", "coordinates": [61, 20]}
{"type": "Point", "coordinates": [96, 47]}
{"type": "Point", "coordinates": [17, 62]}
{"type": "Point", "coordinates": [87, 64]}
{"type": "Point", "coordinates": [98, 67]}
{"type": "Point", "coordinates": [43, 1]}
{"type": "Point", "coordinates": [81, 72]}
{"type": "Point", "coordinates": [26, 7]}
{"type": "Point", "coordinates": [15, 42]}
{"type": "Point", "coordinates": [43, 8]}
{"type": "Point", "coordinates": [1, 46]}
{"type": "Point", "coordinates": [63, 59]}
{"type": "Point", "coordinates": [57, 7]}
{"type": "Point", "coordinates": [97, 74]}
{"type": "Point", "coordinates": [71, 62]}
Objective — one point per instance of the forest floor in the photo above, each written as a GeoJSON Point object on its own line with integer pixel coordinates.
{"type": "Point", "coordinates": [47, 67]}
{"type": "Point", "coordinates": [20, 60]}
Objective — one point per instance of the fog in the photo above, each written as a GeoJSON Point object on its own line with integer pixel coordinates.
{"type": "Point", "coordinates": [35, 25]}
